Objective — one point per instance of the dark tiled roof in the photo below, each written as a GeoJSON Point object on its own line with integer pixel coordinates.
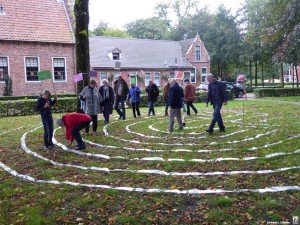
{"type": "Point", "coordinates": [35, 20]}
{"type": "Point", "coordinates": [136, 53]}
{"type": "Point", "coordinates": [186, 44]}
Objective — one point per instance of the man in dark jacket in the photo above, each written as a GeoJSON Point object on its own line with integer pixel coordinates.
{"type": "Point", "coordinates": [121, 91]}
{"type": "Point", "coordinates": [153, 93]}
{"type": "Point", "coordinates": [175, 100]}
{"type": "Point", "coordinates": [217, 97]}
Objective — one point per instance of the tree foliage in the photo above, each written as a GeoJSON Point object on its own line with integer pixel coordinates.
{"type": "Point", "coordinates": [102, 29]}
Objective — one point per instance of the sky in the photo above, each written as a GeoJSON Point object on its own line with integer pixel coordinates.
{"type": "Point", "coordinates": [117, 13]}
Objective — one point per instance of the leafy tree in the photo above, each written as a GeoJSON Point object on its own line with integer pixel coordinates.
{"type": "Point", "coordinates": [102, 29]}
{"type": "Point", "coordinates": [151, 28]}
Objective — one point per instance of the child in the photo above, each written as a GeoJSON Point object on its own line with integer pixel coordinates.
{"type": "Point", "coordinates": [44, 105]}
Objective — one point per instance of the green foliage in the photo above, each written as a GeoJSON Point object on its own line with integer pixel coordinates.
{"type": "Point", "coordinates": [276, 92]}
{"type": "Point", "coordinates": [8, 86]}
{"type": "Point", "coordinates": [6, 98]}
{"type": "Point", "coordinates": [102, 29]}
{"type": "Point", "coordinates": [27, 107]}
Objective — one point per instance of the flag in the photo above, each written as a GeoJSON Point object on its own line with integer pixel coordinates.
{"type": "Point", "coordinates": [93, 73]}
{"type": "Point", "coordinates": [44, 75]}
{"type": "Point", "coordinates": [77, 77]}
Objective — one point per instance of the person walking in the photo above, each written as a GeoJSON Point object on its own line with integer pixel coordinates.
{"type": "Point", "coordinates": [121, 91]}
{"type": "Point", "coordinates": [91, 99]}
{"type": "Point", "coordinates": [189, 96]}
{"type": "Point", "coordinates": [107, 95]}
{"type": "Point", "coordinates": [217, 96]}
{"type": "Point", "coordinates": [175, 100]}
{"type": "Point", "coordinates": [73, 123]}
{"type": "Point", "coordinates": [134, 95]}
{"type": "Point", "coordinates": [44, 107]}
{"type": "Point", "coordinates": [165, 97]}
{"type": "Point", "coordinates": [153, 93]}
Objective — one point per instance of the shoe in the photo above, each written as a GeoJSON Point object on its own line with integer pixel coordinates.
{"type": "Point", "coordinates": [120, 117]}
{"type": "Point", "coordinates": [95, 133]}
{"type": "Point", "coordinates": [166, 113]}
{"type": "Point", "coordinates": [222, 130]}
{"type": "Point", "coordinates": [47, 148]}
{"type": "Point", "coordinates": [183, 124]}
{"type": "Point", "coordinates": [196, 112]}
{"type": "Point", "coordinates": [209, 131]}
{"type": "Point", "coordinates": [51, 146]}
{"type": "Point", "coordinates": [171, 131]}
{"type": "Point", "coordinates": [148, 114]}
{"type": "Point", "coordinates": [80, 148]}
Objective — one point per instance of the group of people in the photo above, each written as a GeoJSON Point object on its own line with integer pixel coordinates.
{"type": "Point", "coordinates": [94, 101]}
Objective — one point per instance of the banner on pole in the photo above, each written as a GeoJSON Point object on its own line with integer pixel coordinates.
{"type": "Point", "coordinates": [93, 73]}
{"type": "Point", "coordinates": [77, 77]}
{"type": "Point", "coordinates": [44, 75]}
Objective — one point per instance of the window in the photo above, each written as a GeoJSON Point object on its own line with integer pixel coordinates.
{"type": "Point", "coordinates": [59, 69]}
{"type": "Point", "coordinates": [147, 78]}
{"type": "Point", "coordinates": [103, 75]}
{"type": "Point", "coordinates": [187, 75]}
{"type": "Point", "coordinates": [197, 53]}
{"type": "Point", "coordinates": [32, 68]}
{"type": "Point", "coordinates": [172, 75]}
{"type": "Point", "coordinates": [116, 75]}
{"type": "Point", "coordinates": [157, 79]}
{"type": "Point", "coordinates": [193, 75]}
{"type": "Point", "coordinates": [3, 68]}
{"type": "Point", "coordinates": [116, 56]}
{"type": "Point", "coordinates": [204, 74]}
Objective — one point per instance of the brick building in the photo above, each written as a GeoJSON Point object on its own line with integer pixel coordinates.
{"type": "Point", "coordinates": [35, 36]}
{"type": "Point", "coordinates": [141, 60]}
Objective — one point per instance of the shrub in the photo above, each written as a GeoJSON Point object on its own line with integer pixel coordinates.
{"type": "Point", "coordinates": [5, 98]}
{"type": "Point", "coordinates": [276, 92]}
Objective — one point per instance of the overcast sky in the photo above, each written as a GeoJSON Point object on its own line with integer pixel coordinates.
{"type": "Point", "coordinates": [120, 12]}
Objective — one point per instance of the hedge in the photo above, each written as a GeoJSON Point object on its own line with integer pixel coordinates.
{"type": "Point", "coordinates": [26, 106]}
{"type": "Point", "coordinates": [6, 98]}
{"type": "Point", "coordinates": [276, 92]}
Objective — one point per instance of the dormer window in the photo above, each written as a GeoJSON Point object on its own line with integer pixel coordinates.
{"type": "Point", "coordinates": [116, 56]}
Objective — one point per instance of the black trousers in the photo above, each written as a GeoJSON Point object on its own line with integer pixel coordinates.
{"type": "Point", "coordinates": [188, 105]}
{"type": "Point", "coordinates": [135, 108]}
{"type": "Point", "coordinates": [76, 133]}
{"type": "Point", "coordinates": [95, 124]}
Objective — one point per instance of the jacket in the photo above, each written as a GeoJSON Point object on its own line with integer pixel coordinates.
{"type": "Point", "coordinates": [176, 96]}
{"type": "Point", "coordinates": [107, 103]}
{"type": "Point", "coordinates": [134, 94]}
{"type": "Point", "coordinates": [216, 93]}
{"type": "Point", "coordinates": [90, 100]}
{"type": "Point", "coordinates": [71, 120]}
{"type": "Point", "coordinates": [153, 92]}
{"type": "Point", "coordinates": [125, 88]}
{"type": "Point", "coordinates": [40, 106]}
{"type": "Point", "coordinates": [189, 93]}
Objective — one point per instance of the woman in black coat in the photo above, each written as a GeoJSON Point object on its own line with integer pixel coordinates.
{"type": "Point", "coordinates": [106, 105]}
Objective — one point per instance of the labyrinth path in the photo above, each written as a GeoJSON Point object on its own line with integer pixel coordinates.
{"type": "Point", "coordinates": [140, 155]}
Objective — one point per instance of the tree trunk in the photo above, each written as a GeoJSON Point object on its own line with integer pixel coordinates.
{"type": "Point", "coordinates": [262, 76]}
{"type": "Point", "coordinates": [282, 78]}
{"type": "Point", "coordinates": [250, 72]}
{"type": "Point", "coordinates": [293, 74]}
{"type": "Point", "coordinates": [297, 78]}
{"type": "Point", "coordinates": [256, 70]}
{"type": "Point", "coordinates": [81, 11]}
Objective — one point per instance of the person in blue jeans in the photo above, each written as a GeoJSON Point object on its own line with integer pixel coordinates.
{"type": "Point", "coordinates": [121, 91]}
{"type": "Point", "coordinates": [153, 92]}
{"type": "Point", "coordinates": [217, 96]}
{"type": "Point", "coordinates": [134, 95]}
{"type": "Point", "coordinates": [44, 107]}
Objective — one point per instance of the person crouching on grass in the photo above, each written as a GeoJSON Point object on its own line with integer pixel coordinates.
{"type": "Point", "coordinates": [44, 106]}
{"type": "Point", "coordinates": [73, 123]}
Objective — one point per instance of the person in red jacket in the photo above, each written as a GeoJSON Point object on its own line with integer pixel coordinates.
{"type": "Point", "coordinates": [74, 122]}
{"type": "Point", "coordinates": [189, 96]}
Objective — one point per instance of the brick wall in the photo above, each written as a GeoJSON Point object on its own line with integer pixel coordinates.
{"type": "Point", "coordinates": [17, 51]}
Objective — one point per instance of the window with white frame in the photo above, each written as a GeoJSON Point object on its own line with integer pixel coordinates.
{"type": "Point", "coordinates": [204, 74]}
{"type": "Point", "coordinates": [187, 75]}
{"type": "Point", "coordinates": [59, 69]}
{"type": "Point", "coordinates": [157, 79]}
{"type": "Point", "coordinates": [103, 75]}
{"type": "Point", "coordinates": [133, 78]}
{"type": "Point", "coordinates": [197, 53]}
{"type": "Point", "coordinates": [193, 75]}
{"type": "Point", "coordinates": [172, 75]}
{"type": "Point", "coordinates": [147, 78]}
{"type": "Point", "coordinates": [32, 68]}
{"type": "Point", "coordinates": [3, 68]}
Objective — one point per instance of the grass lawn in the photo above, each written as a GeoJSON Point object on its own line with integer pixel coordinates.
{"type": "Point", "coordinates": [185, 177]}
{"type": "Point", "coordinates": [289, 98]}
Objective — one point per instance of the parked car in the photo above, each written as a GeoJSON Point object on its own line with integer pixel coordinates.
{"type": "Point", "coordinates": [237, 90]}
{"type": "Point", "coordinates": [202, 87]}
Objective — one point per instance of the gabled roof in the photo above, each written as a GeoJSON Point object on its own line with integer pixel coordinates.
{"type": "Point", "coordinates": [186, 44]}
{"type": "Point", "coordinates": [136, 53]}
{"type": "Point", "coordinates": [36, 20]}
